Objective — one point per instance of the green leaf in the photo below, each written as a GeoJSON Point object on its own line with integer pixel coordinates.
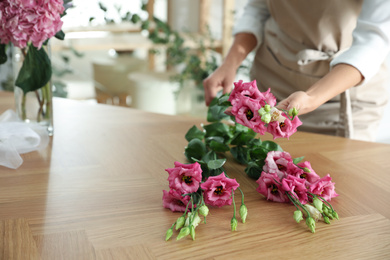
{"type": "Point", "coordinates": [218, 146]}
{"type": "Point", "coordinates": [240, 153]}
{"type": "Point", "coordinates": [195, 149]}
{"type": "Point", "coordinates": [271, 146]}
{"type": "Point", "coordinates": [218, 129]}
{"type": "Point", "coordinates": [60, 35]}
{"type": "Point", "coordinates": [298, 160]}
{"type": "Point", "coordinates": [254, 169]}
{"type": "Point", "coordinates": [242, 138]}
{"type": "Point", "coordinates": [35, 71]}
{"type": "Point", "coordinates": [216, 112]}
{"type": "Point", "coordinates": [215, 164]}
{"type": "Point", "coordinates": [257, 153]}
{"type": "Point", "coordinates": [194, 132]}
{"type": "Point", "coordinates": [3, 54]}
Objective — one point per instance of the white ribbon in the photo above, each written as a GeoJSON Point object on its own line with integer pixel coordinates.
{"type": "Point", "coordinates": [17, 137]}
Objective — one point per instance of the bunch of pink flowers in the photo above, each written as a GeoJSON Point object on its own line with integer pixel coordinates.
{"type": "Point", "coordinates": [24, 21]}
{"type": "Point", "coordinates": [256, 110]}
{"type": "Point", "coordinates": [189, 194]}
{"type": "Point", "coordinates": [284, 181]}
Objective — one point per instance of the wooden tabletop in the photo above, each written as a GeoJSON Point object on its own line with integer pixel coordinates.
{"type": "Point", "coordinates": [96, 193]}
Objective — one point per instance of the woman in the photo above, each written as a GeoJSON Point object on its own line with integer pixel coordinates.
{"type": "Point", "coordinates": [310, 51]}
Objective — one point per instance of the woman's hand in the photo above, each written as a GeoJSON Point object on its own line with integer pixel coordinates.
{"type": "Point", "coordinates": [300, 100]}
{"type": "Point", "coordinates": [221, 79]}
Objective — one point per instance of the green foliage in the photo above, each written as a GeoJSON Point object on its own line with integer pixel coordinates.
{"type": "Point", "coordinates": [36, 70]}
{"type": "Point", "coordinates": [3, 54]}
{"type": "Point", "coordinates": [208, 146]}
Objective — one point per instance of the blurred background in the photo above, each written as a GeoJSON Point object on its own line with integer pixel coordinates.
{"type": "Point", "coordinates": [150, 55]}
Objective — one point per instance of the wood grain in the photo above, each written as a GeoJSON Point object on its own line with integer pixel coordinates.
{"type": "Point", "coordinates": [95, 193]}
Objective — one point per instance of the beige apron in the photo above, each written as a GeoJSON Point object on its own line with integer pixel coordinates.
{"type": "Point", "coordinates": [300, 39]}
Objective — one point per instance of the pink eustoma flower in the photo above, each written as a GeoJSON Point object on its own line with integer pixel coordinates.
{"type": "Point", "coordinates": [218, 190]}
{"type": "Point", "coordinates": [278, 162]}
{"type": "Point", "coordinates": [270, 187]}
{"type": "Point", "coordinates": [324, 187]}
{"type": "Point", "coordinates": [174, 201]}
{"type": "Point", "coordinates": [284, 129]}
{"type": "Point", "coordinates": [296, 186]}
{"type": "Point", "coordinates": [308, 174]}
{"type": "Point", "coordinates": [246, 113]}
{"type": "Point", "coordinates": [241, 89]}
{"type": "Point", "coordinates": [185, 178]}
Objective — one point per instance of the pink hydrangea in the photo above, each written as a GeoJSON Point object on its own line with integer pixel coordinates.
{"type": "Point", "coordinates": [324, 187]}
{"type": "Point", "coordinates": [284, 129]}
{"type": "Point", "coordinates": [174, 201]}
{"type": "Point", "coordinates": [296, 186]}
{"type": "Point", "coordinates": [278, 162]}
{"type": "Point", "coordinates": [218, 190]}
{"type": "Point", "coordinates": [246, 113]}
{"type": "Point", "coordinates": [185, 178]}
{"type": "Point", "coordinates": [35, 21]}
{"type": "Point", "coordinates": [270, 187]}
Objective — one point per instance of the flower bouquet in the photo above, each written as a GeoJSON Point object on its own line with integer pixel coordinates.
{"type": "Point", "coordinates": [235, 122]}
{"type": "Point", "coordinates": [27, 26]}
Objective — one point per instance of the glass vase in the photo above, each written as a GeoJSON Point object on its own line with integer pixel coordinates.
{"type": "Point", "coordinates": [34, 106]}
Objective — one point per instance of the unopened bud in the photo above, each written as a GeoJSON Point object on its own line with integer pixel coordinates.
{"type": "Point", "coordinates": [298, 215]}
{"type": "Point", "coordinates": [335, 215]}
{"type": "Point", "coordinates": [266, 118]}
{"type": "Point", "coordinates": [185, 231]}
{"type": "Point", "coordinates": [306, 169]}
{"type": "Point", "coordinates": [233, 224]}
{"type": "Point", "coordinates": [180, 222]}
{"type": "Point", "coordinates": [243, 212]}
{"type": "Point", "coordinates": [262, 111]}
{"type": "Point", "coordinates": [168, 234]}
{"type": "Point", "coordinates": [293, 112]}
{"type": "Point", "coordinates": [326, 220]}
{"type": "Point", "coordinates": [310, 222]}
{"type": "Point", "coordinates": [318, 204]}
{"type": "Point", "coordinates": [267, 108]}
{"type": "Point", "coordinates": [204, 210]}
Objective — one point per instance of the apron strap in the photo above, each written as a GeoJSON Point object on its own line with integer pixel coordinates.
{"type": "Point", "coordinates": [345, 127]}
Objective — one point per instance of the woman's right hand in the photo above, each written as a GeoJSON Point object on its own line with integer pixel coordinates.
{"type": "Point", "coordinates": [221, 79]}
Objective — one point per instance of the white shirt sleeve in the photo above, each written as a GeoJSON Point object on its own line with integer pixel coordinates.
{"type": "Point", "coordinates": [371, 39]}
{"type": "Point", "coordinates": [253, 19]}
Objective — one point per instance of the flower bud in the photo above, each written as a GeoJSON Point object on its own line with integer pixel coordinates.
{"type": "Point", "coordinates": [266, 118]}
{"type": "Point", "coordinates": [194, 220]}
{"type": "Point", "coordinates": [243, 212]}
{"type": "Point", "coordinates": [314, 213]}
{"type": "Point", "coordinates": [267, 108]}
{"type": "Point", "coordinates": [298, 215]}
{"type": "Point", "coordinates": [335, 215]}
{"type": "Point", "coordinates": [180, 222]}
{"type": "Point", "coordinates": [168, 234]}
{"type": "Point", "coordinates": [310, 222]}
{"type": "Point", "coordinates": [262, 111]}
{"type": "Point", "coordinates": [318, 204]}
{"type": "Point", "coordinates": [293, 112]}
{"type": "Point", "coordinates": [185, 231]}
{"type": "Point", "coordinates": [204, 210]}
{"type": "Point", "coordinates": [306, 169]}
{"type": "Point", "coordinates": [326, 220]}
{"type": "Point", "coordinates": [233, 224]}
{"type": "Point", "coordinates": [192, 232]}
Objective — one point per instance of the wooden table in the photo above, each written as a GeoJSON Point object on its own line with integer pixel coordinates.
{"type": "Point", "coordinates": [95, 193]}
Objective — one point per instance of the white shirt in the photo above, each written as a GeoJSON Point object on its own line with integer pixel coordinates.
{"type": "Point", "coordinates": [371, 37]}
